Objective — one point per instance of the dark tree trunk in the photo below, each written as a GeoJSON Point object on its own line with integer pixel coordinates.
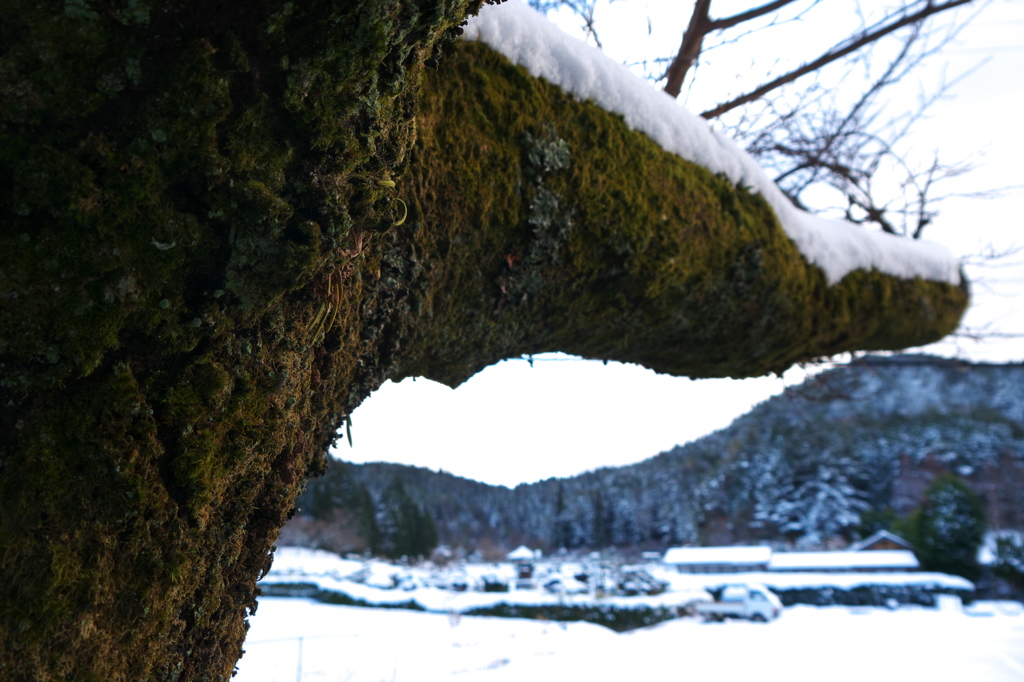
{"type": "Point", "coordinates": [178, 185]}
{"type": "Point", "coordinates": [202, 272]}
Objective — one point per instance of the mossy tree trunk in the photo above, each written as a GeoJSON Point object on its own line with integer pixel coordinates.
{"type": "Point", "coordinates": [201, 276]}
{"type": "Point", "coordinates": [182, 186]}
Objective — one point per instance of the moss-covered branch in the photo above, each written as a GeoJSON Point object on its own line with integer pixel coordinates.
{"type": "Point", "coordinates": [543, 223]}
{"type": "Point", "coordinates": [201, 275]}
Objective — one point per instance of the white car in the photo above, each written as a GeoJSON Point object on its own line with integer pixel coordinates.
{"type": "Point", "coordinates": [561, 584]}
{"type": "Point", "coordinates": [755, 602]}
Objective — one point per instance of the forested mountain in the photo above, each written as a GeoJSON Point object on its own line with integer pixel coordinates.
{"type": "Point", "coordinates": [848, 451]}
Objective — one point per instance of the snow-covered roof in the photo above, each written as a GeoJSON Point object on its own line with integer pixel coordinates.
{"type": "Point", "coordinates": [876, 537]}
{"type": "Point", "coordinates": [520, 553]}
{"type": "Point", "coordinates": [838, 247]}
{"type": "Point", "coordinates": [889, 559]}
{"type": "Point", "coordinates": [693, 556]}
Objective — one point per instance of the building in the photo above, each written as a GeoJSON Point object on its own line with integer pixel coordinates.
{"type": "Point", "coordinates": [718, 559]}
{"type": "Point", "coordinates": [881, 540]}
{"type": "Point", "coordinates": [523, 557]}
{"type": "Point", "coordinates": [757, 559]}
{"type": "Point", "coordinates": [844, 562]}
{"type": "Point", "coordinates": [521, 553]}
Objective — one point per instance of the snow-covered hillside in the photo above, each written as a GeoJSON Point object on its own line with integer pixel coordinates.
{"type": "Point", "coordinates": [870, 436]}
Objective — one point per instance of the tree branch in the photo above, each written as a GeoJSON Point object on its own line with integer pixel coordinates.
{"type": "Point", "coordinates": [729, 22]}
{"type": "Point", "coordinates": [690, 48]}
{"type": "Point", "coordinates": [832, 55]}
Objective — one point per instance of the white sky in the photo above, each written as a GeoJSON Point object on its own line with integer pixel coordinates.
{"type": "Point", "coordinates": [513, 423]}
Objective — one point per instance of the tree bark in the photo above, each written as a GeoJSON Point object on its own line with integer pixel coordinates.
{"type": "Point", "coordinates": [690, 48]}
{"type": "Point", "coordinates": [179, 184]}
{"type": "Point", "coordinates": [205, 269]}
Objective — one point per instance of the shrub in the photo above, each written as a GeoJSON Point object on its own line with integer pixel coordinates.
{"type": "Point", "coordinates": [948, 528]}
{"type": "Point", "coordinates": [867, 595]}
{"type": "Point", "coordinates": [619, 619]}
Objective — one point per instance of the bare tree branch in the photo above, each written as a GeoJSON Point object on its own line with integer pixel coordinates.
{"type": "Point", "coordinates": [835, 53]}
{"type": "Point", "coordinates": [814, 138]}
{"type": "Point", "coordinates": [983, 334]}
{"type": "Point", "coordinates": [814, 143]}
{"type": "Point", "coordinates": [701, 25]}
{"type": "Point", "coordinates": [689, 50]}
{"type": "Point", "coordinates": [729, 22]}
{"type": "Point", "coordinates": [584, 9]}
{"type": "Point", "coordinates": [990, 256]}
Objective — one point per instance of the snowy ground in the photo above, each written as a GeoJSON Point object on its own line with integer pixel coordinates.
{"type": "Point", "coordinates": [351, 644]}
{"type": "Point", "coordinates": [985, 643]}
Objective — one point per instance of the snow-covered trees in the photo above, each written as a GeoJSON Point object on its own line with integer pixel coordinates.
{"type": "Point", "coordinates": [820, 506]}
{"type": "Point", "coordinates": [841, 456]}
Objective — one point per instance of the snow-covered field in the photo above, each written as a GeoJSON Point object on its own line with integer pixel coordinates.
{"type": "Point", "coordinates": [351, 644]}
{"type": "Point", "coordinates": [984, 643]}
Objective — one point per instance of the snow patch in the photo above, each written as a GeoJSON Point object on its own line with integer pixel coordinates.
{"type": "Point", "coordinates": [529, 40]}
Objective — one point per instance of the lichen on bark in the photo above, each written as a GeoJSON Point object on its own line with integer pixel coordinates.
{"type": "Point", "coordinates": [201, 276]}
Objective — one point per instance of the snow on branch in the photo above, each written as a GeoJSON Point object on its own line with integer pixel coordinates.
{"type": "Point", "coordinates": [838, 247]}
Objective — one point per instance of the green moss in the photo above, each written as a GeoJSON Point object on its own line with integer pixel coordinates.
{"type": "Point", "coordinates": [587, 238]}
{"type": "Point", "coordinates": [177, 184]}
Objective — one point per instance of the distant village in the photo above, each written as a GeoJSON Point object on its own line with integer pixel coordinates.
{"type": "Point", "coordinates": [881, 552]}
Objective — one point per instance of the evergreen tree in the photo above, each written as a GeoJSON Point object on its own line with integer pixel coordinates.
{"type": "Point", "coordinates": [562, 530]}
{"type": "Point", "coordinates": [1010, 561]}
{"type": "Point", "coordinates": [601, 534]}
{"type": "Point", "coordinates": [338, 500]}
{"type": "Point", "coordinates": [876, 519]}
{"type": "Point", "coordinates": [948, 528]}
{"type": "Point", "coordinates": [820, 507]}
{"type": "Point", "coordinates": [426, 534]}
{"type": "Point", "coordinates": [405, 529]}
